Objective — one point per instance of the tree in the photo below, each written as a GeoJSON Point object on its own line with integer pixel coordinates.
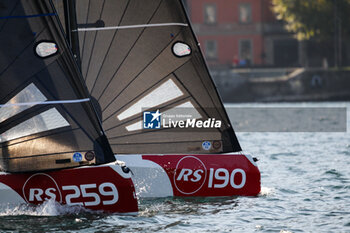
{"type": "Point", "coordinates": [319, 19]}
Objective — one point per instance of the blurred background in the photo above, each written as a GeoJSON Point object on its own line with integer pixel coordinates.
{"type": "Point", "coordinates": [275, 50]}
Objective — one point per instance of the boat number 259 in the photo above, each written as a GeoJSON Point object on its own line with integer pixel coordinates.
{"type": "Point", "coordinates": [107, 191]}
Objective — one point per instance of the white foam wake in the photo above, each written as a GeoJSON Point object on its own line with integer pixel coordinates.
{"type": "Point", "coordinates": [265, 191]}
{"type": "Point", "coordinates": [48, 208]}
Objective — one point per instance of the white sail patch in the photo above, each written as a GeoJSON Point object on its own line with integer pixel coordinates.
{"type": "Point", "coordinates": [48, 120]}
{"type": "Point", "coordinates": [46, 49]}
{"type": "Point", "coordinates": [29, 94]}
{"type": "Point", "coordinates": [133, 127]}
{"type": "Point", "coordinates": [181, 49]}
{"type": "Point", "coordinates": [162, 94]}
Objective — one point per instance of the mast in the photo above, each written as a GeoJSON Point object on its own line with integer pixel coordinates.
{"type": "Point", "coordinates": [71, 28]}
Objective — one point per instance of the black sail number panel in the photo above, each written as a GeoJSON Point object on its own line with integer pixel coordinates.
{"type": "Point", "coordinates": [142, 56]}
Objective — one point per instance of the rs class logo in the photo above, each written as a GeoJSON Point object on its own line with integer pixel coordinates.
{"type": "Point", "coordinates": [42, 187]}
{"type": "Point", "coordinates": [189, 181]}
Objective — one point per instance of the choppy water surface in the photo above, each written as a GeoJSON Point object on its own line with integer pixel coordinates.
{"type": "Point", "coordinates": [305, 188]}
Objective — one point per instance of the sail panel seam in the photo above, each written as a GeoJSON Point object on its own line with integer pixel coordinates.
{"type": "Point", "coordinates": [46, 102]}
{"type": "Point", "coordinates": [131, 26]}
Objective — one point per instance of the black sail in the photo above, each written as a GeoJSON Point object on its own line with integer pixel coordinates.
{"type": "Point", "coordinates": [47, 120]}
{"type": "Point", "coordinates": [143, 55]}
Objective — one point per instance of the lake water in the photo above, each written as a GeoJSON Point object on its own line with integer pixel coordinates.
{"type": "Point", "coordinates": [305, 188]}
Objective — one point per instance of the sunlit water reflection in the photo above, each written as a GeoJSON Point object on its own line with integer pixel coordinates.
{"type": "Point", "coordinates": [305, 188]}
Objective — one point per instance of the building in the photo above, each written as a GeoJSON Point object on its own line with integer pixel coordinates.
{"type": "Point", "coordinates": [242, 33]}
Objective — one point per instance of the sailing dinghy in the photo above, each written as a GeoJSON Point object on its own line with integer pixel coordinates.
{"type": "Point", "coordinates": [86, 82]}
{"type": "Point", "coordinates": [142, 57]}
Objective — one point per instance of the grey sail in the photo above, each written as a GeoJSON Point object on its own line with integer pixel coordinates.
{"type": "Point", "coordinates": [143, 55]}
{"type": "Point", "coordinates": [47, 120]}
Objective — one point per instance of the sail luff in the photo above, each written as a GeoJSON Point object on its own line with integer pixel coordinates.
{"type": "Point", "coordinates": [232, 135]}
{"type": "Point", "coordinates": [70, 15]}
{"type": "Point", "coordinates": [71, 28]}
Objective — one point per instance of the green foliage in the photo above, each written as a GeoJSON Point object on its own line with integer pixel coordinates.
{"type": "Point", "coordinates": [313, 18]}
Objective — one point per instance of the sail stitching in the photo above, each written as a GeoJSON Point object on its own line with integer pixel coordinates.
{"type": "Point", "coordinates": [33, 77]}
{"type": "Point", "coordinates": [45, 134]}
{"type": "Point", "coordinates": [127, 55]}
{"type": "Point", "coordinates": [131, 27]}
{"type": "Point", "coordinates": [93, 44]}
{"type": "Point", "coordinates": [21, 52]}
{"type": "Point", "coordinates": [197, 102]}
{"type": "Point", "coordinates": [46, 102]}
{"type": "Point", "coordinates": [206, 89]}
{"type": "Point", "coordinates": [138, 75]}
{"type": "Point", "coordinates": [145, 91]}
{"type": "Point", "coordinates": [67, 112]}
{"type": "Point", "coordinates": [109, 47]}
{"type": "Point", "coordinates": [40, 155]}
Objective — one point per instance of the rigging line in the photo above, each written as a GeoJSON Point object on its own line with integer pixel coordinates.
{"type": "Point", "coordinates": [132, 26]}
{"type": "Point", "coordinates": [138, 75]}
{"type": "Point", "coordinates": [151, 87]}
{"type": "Point", "coordinates": [26, 16]}
{"type": "Point", "coordinates": [108, 50]}
{"type": "Point", "coordinates": [128, 53]}
{"type": "Point", "coordinates": [83, 46]}
{"type": "Point", "coordinates": [46, 102]}
{"type": "Point", "coordinates": [93, 44]}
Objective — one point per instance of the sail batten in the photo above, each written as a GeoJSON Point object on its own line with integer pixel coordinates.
{"type": "Point", "coordinates": [131, 27]}
{"type": "Point", "coordinates": [46, 102]}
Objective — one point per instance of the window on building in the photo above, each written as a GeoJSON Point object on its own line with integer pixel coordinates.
{"type": "Point", "coordinates": [210, 14]}
{"type": "Point", "coordinates": [245, 52]}
{"type": "Point", "coordinates": [211, 49]}
{"type": "Point", "coordinates": [245, 13]}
